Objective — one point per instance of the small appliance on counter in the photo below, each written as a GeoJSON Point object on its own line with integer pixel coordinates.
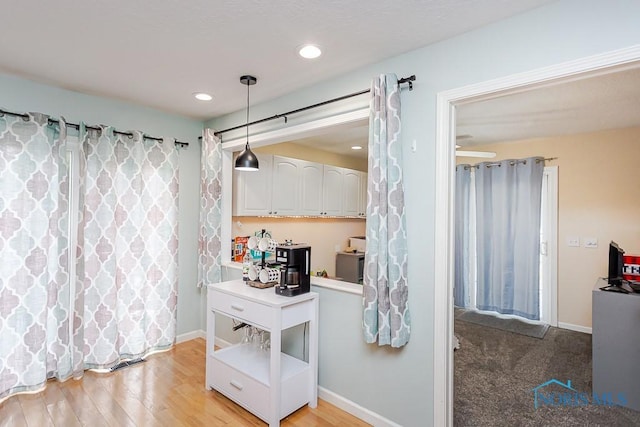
{"type": "Point", "coordinates": [295, 269]}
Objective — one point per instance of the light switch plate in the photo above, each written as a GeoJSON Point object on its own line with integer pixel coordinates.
{"type": "Point", "coordinates": [573, 242]}
{"type": "Point", "coordinates": [590, 242]}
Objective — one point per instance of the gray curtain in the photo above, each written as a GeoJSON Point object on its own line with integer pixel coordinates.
{"type": "Point", "coordinates": [386, 316]}
{"type": "Point", "coordinates": [463, 262]}
{"type": "Point", "coordinates": [508, 197]}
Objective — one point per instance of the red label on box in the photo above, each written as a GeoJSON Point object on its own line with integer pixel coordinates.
{"type": "Point", "coordinates": [631, 270]}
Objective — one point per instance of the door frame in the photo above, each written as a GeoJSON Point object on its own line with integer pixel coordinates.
{"type": "Point", "coordinates": [444, 194]}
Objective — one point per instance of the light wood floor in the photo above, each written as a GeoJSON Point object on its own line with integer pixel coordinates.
{"type": "Point", "coordinates": [166, 390]}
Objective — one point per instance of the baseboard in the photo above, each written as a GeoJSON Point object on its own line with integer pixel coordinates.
{"type": "Point", "coordinates": [354, 409]}
{"type": "Point", "coordinates": [199, 333]}
{"type": "Point", "coordinates": [219, 342]}
{"type": "Point", "coordinates": [576, 328]}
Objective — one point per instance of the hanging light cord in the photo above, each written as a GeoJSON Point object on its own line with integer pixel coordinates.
{"type": "Point", "coordinates": [248, 114]}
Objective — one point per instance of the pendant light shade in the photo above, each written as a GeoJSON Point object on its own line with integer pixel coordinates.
{"type": "Point", "coordinates": [247, 161]}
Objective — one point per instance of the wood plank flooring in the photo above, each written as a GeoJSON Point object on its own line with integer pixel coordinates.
{"type": "Point", "coordinates": [166, 390]}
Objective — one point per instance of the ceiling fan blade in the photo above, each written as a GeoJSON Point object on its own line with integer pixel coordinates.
{"type": "Point", "coordinates": [483, 154]}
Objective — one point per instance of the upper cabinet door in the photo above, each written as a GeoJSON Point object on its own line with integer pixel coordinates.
{"type": "Point", "coordinates": [253, 189]}
{"type": "Point", "coordinates": [332, 191]}
{"type": "Point", "coordinates": [311, 177]}
{"type": "Point", "coordinates": [362, 204]}
{"type": "Point", "coordinates": [285, 188]}
{"type": "Point", "coordinates": [351, 192]}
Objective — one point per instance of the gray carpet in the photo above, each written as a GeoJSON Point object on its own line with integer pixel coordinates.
{"type": "Point", "coordinates": [495, 372]}
{"type": "Point", "coordinates": [510, 325]}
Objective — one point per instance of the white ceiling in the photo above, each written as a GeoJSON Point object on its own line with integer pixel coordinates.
{"type": "Point", "coordinates": [156, 53]}
{"type": "Point", "coordinates": [609, 101]}
{"type": "Point", "coordinates": [602, 102]}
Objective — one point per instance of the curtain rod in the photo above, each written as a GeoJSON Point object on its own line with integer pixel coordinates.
{"type": "Point", "coordinates": [26, 117]}
{"type": "Point", "coordinates": [408, 80]}
{"type": "Point", "coordinates": [513, 162]}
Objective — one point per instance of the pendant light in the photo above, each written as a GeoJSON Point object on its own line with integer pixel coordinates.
{"type": "Point", "coordinates": [247, 161]}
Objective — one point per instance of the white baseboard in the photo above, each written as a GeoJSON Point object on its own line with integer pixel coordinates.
{"type": "Point", "coordinates": [219, 342]}
{"type": "Point", "coordinates": [576, 328]}
{"type": "Point", "coordinates": [199, 333]}
{"type": "Point", "coordinates": [354, 409]}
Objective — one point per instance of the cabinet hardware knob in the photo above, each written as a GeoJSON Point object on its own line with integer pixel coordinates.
{"type": "Point", "coordinates": [237, 307]}
{"type": "Point", "coordinates": [236, 384]}
{"type": "Point", "coordinates": [275, 213]}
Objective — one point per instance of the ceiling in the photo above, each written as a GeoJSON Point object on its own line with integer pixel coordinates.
{"type": "Point", "coordinates": [609, 101]}
{"type": "Point", "coordinates": [157, 53]}
{"type": "Point", "coordinates": [602, 102]}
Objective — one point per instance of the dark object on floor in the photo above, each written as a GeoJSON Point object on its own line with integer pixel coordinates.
{"type": "Point", "coordinates": [509, 325]}
{"type": "Point", "coordinates": [126, 363]}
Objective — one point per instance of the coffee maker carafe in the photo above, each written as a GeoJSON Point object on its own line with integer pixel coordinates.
{"type": "Point", "coordinates": [295, 269]}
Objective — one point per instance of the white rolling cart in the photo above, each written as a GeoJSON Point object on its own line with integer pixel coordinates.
{"type": "Point", "coordinates": [269, 384]}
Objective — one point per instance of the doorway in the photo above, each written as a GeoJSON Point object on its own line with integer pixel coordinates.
{"type": "Point", "coordinates": [445, 164]}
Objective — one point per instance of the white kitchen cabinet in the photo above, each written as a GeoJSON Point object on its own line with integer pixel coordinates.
{"type": "Point", "coordinates": [350, 192]}
{"type": "Point", "coordinates": [311, 177]}
{"type": "Point", "coordinates": [285, 188]}
{"type": "Point", "coordinates": [270, 384]}
{"type": "Point", "coordinates": [252, 190]}
{"type": "Point", "coordinates": [362, 195]}
{"type": "Point", "coordinates": [332, 191]}
{"type": "Point", "coordinates": [289, 187]}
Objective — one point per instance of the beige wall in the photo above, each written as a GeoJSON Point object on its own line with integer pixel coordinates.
{"type": "Point", "coordinates": [290, 149]}
{"type": "Point", "coordinates": [599, 176]}
{"type": "Point", "coordinates": [323, 234]}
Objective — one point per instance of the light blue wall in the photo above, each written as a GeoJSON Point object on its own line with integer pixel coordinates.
{"type": "Point", "coordinates": [23, 95]}
{"type": "Point", "coordinates": [398, 384]}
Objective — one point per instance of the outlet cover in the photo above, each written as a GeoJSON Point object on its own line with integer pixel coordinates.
{"type": "Point", "coordinates": [574, 242]}
{"type": "Point", "coordinates": [590, 242]}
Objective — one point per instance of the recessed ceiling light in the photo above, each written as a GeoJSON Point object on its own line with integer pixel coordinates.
{"type": "Point", "coordinates": [203, 96]}
{"type": "Point", "coordinates": [356, 147]}
{"type": "Point", "coordinates": [309, 51]}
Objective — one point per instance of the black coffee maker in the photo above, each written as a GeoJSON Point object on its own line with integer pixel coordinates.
{"type": "Point", "coordinates": [295, 269]}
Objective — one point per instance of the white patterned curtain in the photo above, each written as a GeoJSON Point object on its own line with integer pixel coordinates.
{"type": "Point", "coordinates": [38, 321]}
{"type": "Point", "coordinates": [130, 246]}
{"type": "Point", "coordinates": [209, 242]}
{"type": "Point", "coordinates": [386, 316]}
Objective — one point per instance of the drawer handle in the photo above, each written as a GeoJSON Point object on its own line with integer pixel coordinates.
{"type": "Point", "coordinates": [237, 307]}
{"type": "Point", "coordinates": [236, 384]}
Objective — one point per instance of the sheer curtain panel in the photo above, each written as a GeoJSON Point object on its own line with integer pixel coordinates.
{"type": "Point", "coordinates": [386, 317]}
{"type": "Point", "coordinates": [508, 197]}
{"type": "Point", "coordinates": [130, 246]}
{"type": "Point", "coordinates": [209, 242]}
{"type": "Point", "coordinates": [39, 319]}
{"type": "Point", "coordinates": [463, 260]}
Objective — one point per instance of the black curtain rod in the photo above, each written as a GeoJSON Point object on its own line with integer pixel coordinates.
{"type": "Point", "coordinates": [408, 80]}
{"type": "Point", "coordinates": [76, 126]}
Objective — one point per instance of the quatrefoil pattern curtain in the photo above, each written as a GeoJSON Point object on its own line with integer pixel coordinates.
{"type": "Point", "coordinates": [386, 318]}
{"type": "Point", "coordinates": [89, 249]}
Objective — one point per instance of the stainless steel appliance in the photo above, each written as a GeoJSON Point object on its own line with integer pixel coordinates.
{"type": "Point", "coordinates": [295, 269]}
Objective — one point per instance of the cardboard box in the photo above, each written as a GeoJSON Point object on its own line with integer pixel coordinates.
{"type": "Point", "coordinates": [240, 247]}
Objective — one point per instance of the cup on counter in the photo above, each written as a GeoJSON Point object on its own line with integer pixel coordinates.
{"type": "Point", "coordinates": [267, 245]}
{"type": "Point", "coordinates": [254, 272]}
{"type": "Point", "coordinates": [269, 275]}
{"type": "Point", "coordinates": [253, 241]}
